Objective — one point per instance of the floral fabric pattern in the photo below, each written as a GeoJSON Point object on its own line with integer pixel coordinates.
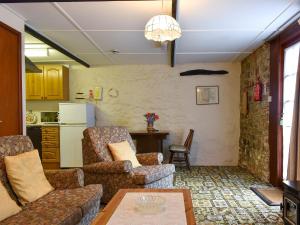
{"type": "Point", "coordinates": [10, 146]}
{"type": "Point", "coordinates": [99, 167]}
{"type": "Point", "coordinates": [147, 159]}
{"type": "Point", "coordinates": [63, 179]}
{"type": "Point", "coordinates": [148, 174]}
{"type": "Point", "coordinates": [97, 139]}
{"type": "Point", "coordinates": [109, 167]}
{"type": "Point", "coordinates": [75, 205]}
{"type": "Point", "coordinates": [61, 207]}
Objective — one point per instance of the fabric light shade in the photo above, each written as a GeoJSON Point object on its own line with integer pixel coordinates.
{"type": "Point", "coordinates": [162, 28]}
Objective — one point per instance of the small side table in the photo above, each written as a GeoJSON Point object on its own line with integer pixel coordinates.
{"type": "Point", "coordinates": [291, 202]}
{"type": "Point", "coordinates": [149, 141]}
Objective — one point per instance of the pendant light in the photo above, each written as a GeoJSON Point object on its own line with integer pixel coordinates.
{"type": "Point", "coordinates": [162, 28]}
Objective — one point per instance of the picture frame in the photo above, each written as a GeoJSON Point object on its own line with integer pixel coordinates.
{"type": "Point", "coordinates": [207, 95]}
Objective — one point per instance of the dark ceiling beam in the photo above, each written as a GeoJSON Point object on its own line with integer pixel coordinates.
{"type": "Point", "coordinates": [174, 15]}
{"type": "Point", "coordinates": [28, 1]}
{"type": "Point", "coordinates": [47, 41]}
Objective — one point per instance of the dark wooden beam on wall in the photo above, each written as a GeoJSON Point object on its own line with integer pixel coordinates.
{"type": "Point", "coordinates": [173, 46]}
{"type": "Point", "coordinates": [47, 41]}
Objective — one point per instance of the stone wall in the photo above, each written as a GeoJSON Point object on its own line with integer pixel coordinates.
{"type": "Point", "coordinates": [254, 146]}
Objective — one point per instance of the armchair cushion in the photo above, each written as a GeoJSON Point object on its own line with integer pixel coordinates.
{"type": "Point", "coordinates": [109, 167]}
{"type": "Point", "coordinates": [153, 158]}
{"type": "Point", "coordinates": [65, 178]}
{"type": "Point", "coordinates": [148, 174]}
{"type": "Point", "coordinates": [122, 151]}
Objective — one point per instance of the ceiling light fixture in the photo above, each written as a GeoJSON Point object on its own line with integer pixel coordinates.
{"type": "Point", "coordinates": [35, 45]}
{"type": "Point", "coordinates": [35, 52]}
{"type": "Point", "coordinates": [162, 28]}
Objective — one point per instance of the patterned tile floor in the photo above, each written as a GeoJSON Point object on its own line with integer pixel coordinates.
{"type": "Point", "coordinates": [221, 195]}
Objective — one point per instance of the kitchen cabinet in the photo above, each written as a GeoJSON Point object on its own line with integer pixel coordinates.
{"type": "Point", "coordinates": [50, 147]}
{"type": "Point", "coordinates": [51, 84]}
{"type": "Point", "coordinates": [34, 85]}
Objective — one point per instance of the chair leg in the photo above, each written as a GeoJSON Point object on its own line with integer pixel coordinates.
{"type": "Point", "coordinates": [171, 157]}
{"type": "Point", "coordinates": [187, 160]}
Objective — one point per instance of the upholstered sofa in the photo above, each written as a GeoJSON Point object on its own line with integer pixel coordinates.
{"type": "Point", "coordinates": [99, 167]}
{"type": "Point", "coordinates": [70, 203]}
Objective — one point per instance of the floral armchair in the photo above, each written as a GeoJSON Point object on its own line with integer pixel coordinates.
{"type": "Point", "coordinates": [99, 167]}
{"type": "Point", "coordinates": [69, 204]}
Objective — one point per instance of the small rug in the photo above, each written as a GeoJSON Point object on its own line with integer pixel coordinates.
{"type": "Point", "coordinates": [270, 195]}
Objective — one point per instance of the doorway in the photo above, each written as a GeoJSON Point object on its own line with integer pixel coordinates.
{"type": "Point", "coordinates": [290, 67]}
{"type": "Point", "coordinates": [11, 81]}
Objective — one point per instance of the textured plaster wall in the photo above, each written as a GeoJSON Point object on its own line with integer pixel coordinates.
{"type": "Point", "coordinates": [254, 146]}
{"type": "Point", "coordinates": [160, 89]}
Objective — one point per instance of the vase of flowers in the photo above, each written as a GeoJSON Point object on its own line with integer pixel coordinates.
{"type": "Point", "coordinates": [150, 118]}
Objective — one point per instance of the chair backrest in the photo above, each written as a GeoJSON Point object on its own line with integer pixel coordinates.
{"type": "Point", "coordinates": [189, 140]}
{"type": "Point", "coordinates": [96, 139]}
{"type": "Point", "coordinates": [10, 146]}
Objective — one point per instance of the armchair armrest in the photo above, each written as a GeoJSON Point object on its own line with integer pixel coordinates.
{"type": "Point", "coordinates": [65, 178]}
{"type": "Point", "coordinates": [109, 167]}
{"type": "Point", "coordinates": [153, 158]}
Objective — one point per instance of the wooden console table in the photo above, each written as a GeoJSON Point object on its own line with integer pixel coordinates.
{"type": "Point", "coordinates": [149, 141]}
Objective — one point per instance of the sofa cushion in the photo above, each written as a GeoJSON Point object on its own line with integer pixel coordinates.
{"type": "Point", "coordinates": [26, 176]}
{"type": "Point", "coordinates": [149, 174]}
{"type": "Point", "coordinates": [8, 207]}
{"type": "Point", "coordinates": [59, 207]}
{"type": "Point", "coordinates": [12, 145]}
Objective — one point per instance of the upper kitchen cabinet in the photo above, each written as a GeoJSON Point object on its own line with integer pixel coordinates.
{"type": "Point", "coordinates": [35, 85]}
{"type": "Point", "coordinates": [51, 84]}
{"type": "Point", "coordinates": [56, 82]}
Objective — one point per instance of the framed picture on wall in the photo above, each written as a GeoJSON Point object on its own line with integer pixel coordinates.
{"type": "Point", "coordinates": [207, 95]}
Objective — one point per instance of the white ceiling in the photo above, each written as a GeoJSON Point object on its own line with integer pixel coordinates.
{"type": "Point", "coordinates": [54, 55]}
{"type": "Point", "coordinates": [213, 30]}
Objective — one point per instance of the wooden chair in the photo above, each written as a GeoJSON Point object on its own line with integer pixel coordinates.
{"type": "Point", "coordinates": [182, 150]}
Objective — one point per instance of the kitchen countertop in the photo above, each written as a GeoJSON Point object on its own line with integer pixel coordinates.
{"type": "Point", "coordinates": [43, 125]}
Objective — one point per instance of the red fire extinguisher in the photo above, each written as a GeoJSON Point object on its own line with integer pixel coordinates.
{"type": "Point", "coordinates": [257, 92]}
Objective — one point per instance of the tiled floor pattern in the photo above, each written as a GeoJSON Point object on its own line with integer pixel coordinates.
{"type": "Point", "coordinates": [221, 195]}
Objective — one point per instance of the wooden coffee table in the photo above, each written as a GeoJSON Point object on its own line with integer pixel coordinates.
{"type": "Point", "coordinates": [104, 216]}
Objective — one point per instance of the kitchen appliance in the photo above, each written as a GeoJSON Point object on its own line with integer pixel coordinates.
{"type": "Point", "coordinates": [49, 117]}
{"type": "Point", "coordinates": [31, 117]}
{"type": "Point", "coordinates": [74, 118]}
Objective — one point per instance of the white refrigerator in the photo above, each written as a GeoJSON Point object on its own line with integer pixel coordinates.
{"type": "Point", "coordinates": [74, 118]}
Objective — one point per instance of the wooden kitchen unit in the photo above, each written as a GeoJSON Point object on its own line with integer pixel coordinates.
{"type": "Point", "coordinates": [50, 147]}
{"type": "Point", "coordinates": [51, 84]}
